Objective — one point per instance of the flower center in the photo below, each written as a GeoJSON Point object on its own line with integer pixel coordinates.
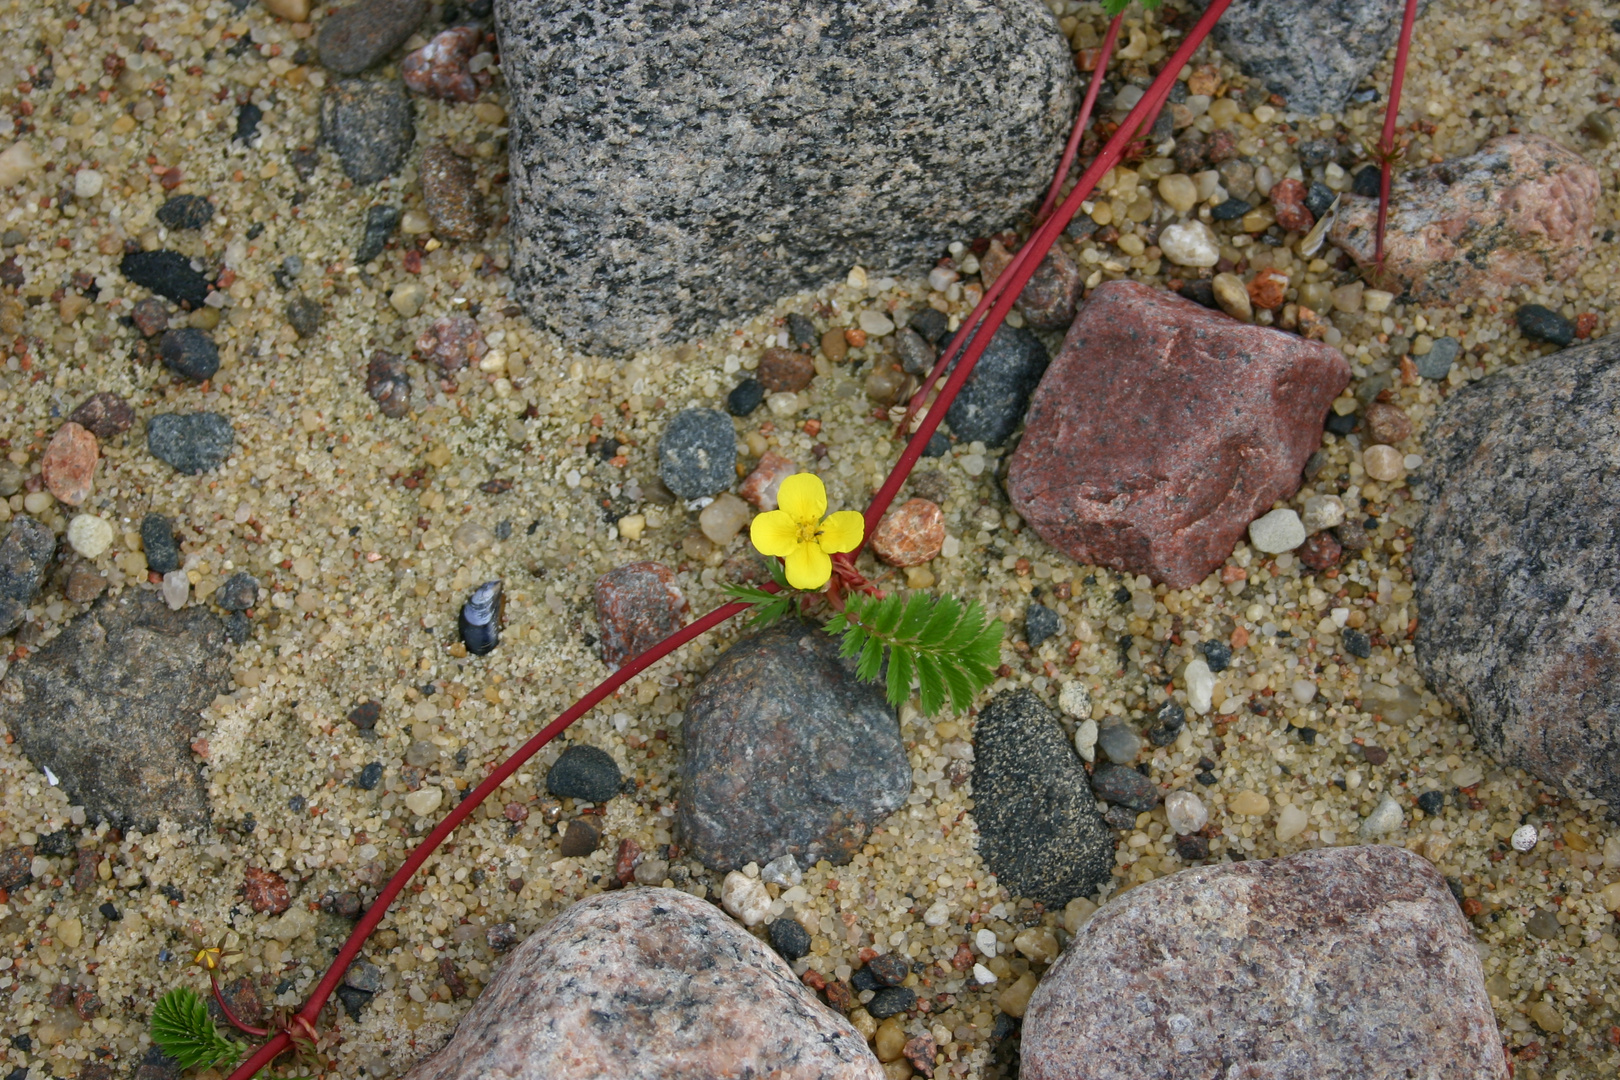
{"type": "Point", "coordinates": [809, 532]}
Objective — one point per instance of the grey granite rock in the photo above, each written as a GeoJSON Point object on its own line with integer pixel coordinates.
{"type": "Point", "coordinates": [991, 403]}
{"type": "Point", "coordinates": [191, 442]}
{"type": "Point", "coordinates": [785, 753]}
{"type": "Point", "coordinates": [648, 984]}
{"type": "Point", "coordinates": [1337, 964]}
{"type": "Point", "coordinates": [1039, 829]}
{"type": "Point", "coordinates": [25, 554]}
{"type": "Point", "coordinates": [697, 453]}
{"type": "Point", "coordinates": [112, 704]}
{"type": "Point", "coordinates": [1312, 52]}
{"type": "Point", "coordinates": [370, 125]}
{"type": "Point", "coordinates": [674, 163]}
{"type": "Point", "coordinates": [1517, 570]}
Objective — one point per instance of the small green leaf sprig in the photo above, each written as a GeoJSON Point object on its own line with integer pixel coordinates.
{"type": "Point", "coordinates": [1114, 7]}
{"type": "Point", "coordinates": [182, 1029]}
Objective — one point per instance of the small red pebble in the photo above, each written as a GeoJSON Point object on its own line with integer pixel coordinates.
{"type": "Point", "coordinates": [265, 891]}
{"type": "Point", "coordinates": [811, 427]}
{"type": "Point", "coordinates": [1288, 199]}
{"type": "Point", "coordinates": [624, 867]}
{"type": "Point", "coordinates": [413, 260]}
{"type": "Point", "coordinates": [855, 336]}
{"type": "Point", "coordinates": [171, 178]}
{"type": "Point", "coordinates": [1585, 323]}
{"type": "Point", "coordinates": [963, 958]}
{"type": "Point", "coordinates": [516, 812]}
{"type": "Point", "coordinates": [1268, 290]}
{"type": "Point", "coordinates": [1320, 551]}
{"type": "Point", "coordinates": [1240, 638]}
{"type": "Point", "coordinates": [814, 980]}
{"type": "Point", "coordinates": [1472, 907]}
{"type": "Point", "coordinates": [1230, 574]}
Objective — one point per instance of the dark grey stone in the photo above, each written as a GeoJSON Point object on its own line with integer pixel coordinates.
{"type": "Point", "coordinates": [785, 753]}
{"type": "Point", "coordinates": [353, 1001]}
{"type": "Point", "coordinates": [1313, 54]}
{"type": "Point", "coordinates": [1436, 363]}
{"type": "Point", "coordinates": [584, 772]}
{"type": "Point", "coordinates": [790, 938]}
{"type": "Point", "coordinates": [805, 335]}
{"type": "Point", "coordinates": [891, 1001]}
{"type": "Point", "coordinates": [1039, 829]}
{"type": "Point", "coordinates": [364, 975]}
{"type": "Point", "coordinates": [157, 540]}
{"type": "Point", "coordinates": [381, 221]}
{"type": "Point", "coordinates": [1124, 787]}
{"type": "Point", "coordinates": [1217, 654]}
{"type": "Point", "coordinates": [248, 116]}
{"type": "Point", "coordinates": [167, 273]}
{"type": "Point", "coordinates": [790, 140]}
{"type": "Point", "coordinates": [112, 704]}
{"type": "Point", "coordinates": [304, 315]}
{"type": "Point", "coordinates": [239, 592]}
{"type": "Point", "coordinates": [189, 352]}
{"type": "Point", "coordinates": [1040, 623]}
{"type": "Point", "coordinates": [369, 777]}
{"type": "Point", "coordinates": [991, 404]}
{"type": "Point", "coordinates": [697, 454]}
{"type": "Point", "coordinates": [938, 446]}
{"type": "Point", "coordinates": [365, 32]}
{"type": "Point", "coordinates": [1318, 198]}
{"type": "Point", "coordinates": [191, 442]}
{"type": "Point", "coordinates": [186, 212]}
{"type": "Point", "coordinates": [916, 354]}
{"type": "Point", "coordinates": [370, 125]}
{"type": "Point", "coordinates": [1517, 569]}
{"type": "Point", "coordinates": [745, 397]}
{"type": "Point", "coordinates": [1119, 743]}
{"type": "Point", "coordinates": [931, 324]}
{"type": "Point", "coordinates": [1544, 324]}
{"type": "Point", "coordinates": [25, 555]}
{"type": "Point", "coordinates": [1168, 722]}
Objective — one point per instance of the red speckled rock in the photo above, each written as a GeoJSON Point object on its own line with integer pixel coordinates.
{"type": "Point", "coordinates": [783, 370]}
{"type": "Point", "coordinates": [1512, 214]}
{"type": "Point", "coordinates": [69, 464]}
{"type": "Point", "coordinates": [765, 481]}
{"type": "Point", "coordinates": [265, 891]}
{"type": "Point", "coordinates": [452, 342]}
{"type": "Point", "coordinates": [1162, 429]}
{"type": "Point", "coordinates": [439, 68]}
{"type": "Point", "coordinates": [1335, 964]}
{"type": "Point", "coordinates": [910, 534]}
{"type": "Point", "coordinates": [1288, 199]}
{"type": "Point", "coordinates": [104, 415]}
{"type": "Point", "coordinates": [648, 984]}
{"type": "Point", "coordinates": [1320, 551]}
{"type": "Point", "coordinates": [637, 606]}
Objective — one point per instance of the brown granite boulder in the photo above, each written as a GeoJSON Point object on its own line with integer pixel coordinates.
{"type": "Point", "coordinates": [637, 606]}
{"type": "Point", "coordinates": [653, 984]}
{"type": "Point", "coordinates": [1509, 216]}
{"type": "Point", "coordinates": [1517, 569]}
{"type": "Point", "coordinates": [1163, 428]}
{"type": "Point", "coordinates": [1335, 964]}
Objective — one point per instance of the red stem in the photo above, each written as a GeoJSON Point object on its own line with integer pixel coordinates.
{"type": "Point", "coordinates": [1386, 142]}
{"type": "Point", "coordinates": [1011, 283]}
{"type": "Point", "coordinates": [225, 1008]}
{"type": "Point", "coordinates": [1073, 146]}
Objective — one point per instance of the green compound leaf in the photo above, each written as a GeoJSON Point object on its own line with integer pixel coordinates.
{"type": "Point", "coordinates": [1114, 7]}
{"type": "Point", "coordinates": [950, 650]}
{"type": "Point", "coordinates": [182, 1029]}
{"type": "Point", "coordinates": [768, 607]}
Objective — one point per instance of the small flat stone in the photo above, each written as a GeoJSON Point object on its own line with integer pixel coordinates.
{"type": "Point", "coordinates": [248, 116]}
{"type": "Point", "coordinates": [1119, 743]}
{"type": "Point", "coordinates": [239, 592]}
{"type": "Point", "coordinates": [186, 212]}
{"type": "Point", "coordinates": [697, 454]}
{"type": "Point", "coordinates": [450, 193]}
{"type": "Point", "coordinates": [1436, 363]}
{"type": "Point", "coordinates": [1320, 551]}
{"type": "Point", "coordinates": [190, 442]}
{"type": "Point", "coordinates": [784, 371]}
{"type": "Point", "coordinates": [586, 773]}
{"type": "Point", "coordinates": [167, 273]}
{"type": "Point", "coordinates": [917, 356]}
{"type": "Point", "coordinates": [637, 606]}
{"type": "Point", "coordinates": [84, 585]}
{"type": "Point", "coordinates": [304, 315]}
{"type": "Point", "coordinates": [265, 891]}
{"type": "Point", "coordinates": [370, 125]}
{"type": "Point", "coordinates": [370, 776]}
{"type": "Point", "coordinates": [104, 415]}
{"type": "Point", "coordinates": [365, 33]}
{"type": "Point", "coordinates": [440, 68]}
{"type": "Point", "coordinates": [15, 863]}
{"type": "Point", "coordinates": [910, 534]}
{"type": "Point", "coordinates": [69, 463]}
{"type": "Point", "coordinates": [891, 1001]}
{"type": "Point", "coordinates": [89, 535]}
{"type": "Point", "coordinates": [150, 316]}
{"type": "Point", "coordinates": [157, 540]}
{"type": "Point", "coordinates": [1540, 323]}
{"type": "Point", "coordinates": [1276, 532]}
{"type": "Point", "coordinates": [745, 397]}
{"type": "Point", "coordinates": [365, 715]}
{"type": "Point", "coordinates": [991, 403]}
{"type": "Point", "coordinates": [189, 352]}
{"type": "Point", "coordinates": [381, 221]}
{"type": "Point", "coordinates": [1040, 623]}
{"type": "Point", "coordinates": [789, 938]}
{"type": "Point", "coordinates": [582, 837]}
{"type": "Point", "coordinates": [1124, 787]}
{"type": "Point", "coordinates": [1049, 297]}
{"type": "Point", "coordinates": [763, 484]}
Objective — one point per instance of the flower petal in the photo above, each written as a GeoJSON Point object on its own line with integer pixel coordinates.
{"type": "Point", "coordinates": [842, 532]}
{"type": "Point", "coordinates": [807, 567]}
{"type": "Point", "coordinates": [774, 533]}
{"type": "Point", "coordinates": [803, 498]}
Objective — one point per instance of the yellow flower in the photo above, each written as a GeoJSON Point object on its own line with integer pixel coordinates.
{"type": "Point", "coordinates": [798, 535]}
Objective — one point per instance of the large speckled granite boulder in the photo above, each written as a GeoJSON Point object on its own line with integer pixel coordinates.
{"type": "Point", "coordinates": [785, 752]}
{"type": "Point", "coordinates": [1517, 568]}
{"type": "Point", "coordinates": [1335, 964]}
{"type": "Point", "coordinates": [648, 984]}
{"type": "Point", "coordinates": [677, 162]}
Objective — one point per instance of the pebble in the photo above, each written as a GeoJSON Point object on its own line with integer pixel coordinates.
{"type": "Point", "coordinates": [248, 116]}
{"type": "Point", "coordinates": [1119, 743]}
{"type": "Point", "coordinates": [304, 315]}
{"type": "Point", "coordinates": [1320, 551]}
{"type": "Point", "coordinates": [150, 316]}
{"type": "Point", "coordinates": [190, 353]}
{"type": "Point", "coordinates": [190, 442]}
{"type": "Point", "coordinates": [697, 453]}
{"type": "Point", "coordinates": [452, 343]}
{"type": "Point", "coordinates": [875, 323]}
{"type": "Point", "coordinates": [167, 273]}
{"type": "Point", "coordinates": [291, 10]}
{"type": "Point", "coordinates": [1199, 679]}
{"type": "Point", "coordinates": [450, 193]}
{"type": "Point", "coordinates": [1049, 297]}
{"type": "Point", "coordinates": [364, 975]}
{"type": "Point", "coordinates": [1387, 423]}
{"type": "Point", "coordinates": [439, 68]}
{"type": "Point", "coordinates": [1291, 821]}
{"type": "Point", "coordinates": [1525, 837]}
{"type": "Point", "coordinates": [1431, 802]}
{"type": "Point", "coordinates": [1383, 462]}
{"type": "Point", "coordinates": [365, 33]}
{"type": "Point", "coordinates": [1385, 818]}
{"type": "Point", "coordinates": [1436, 363]}
{"type": "Point", "coordinates": [581, 838]}
{"type": "Point", "coordinates": [424, 801]}
{"type": "Point", "coordinates": [381, 221]}
{"type": "Point", "coordinates": [1179, 190]}
{"type": "Point", "coordinates": [1190, 243]}
{"type": "Point", "coordinates": [784, 872]}
{"type": "Point", "coordinates": [1540, 323]}
{"type": "Point", "coordinates": [239, 592]}
{"type": "Point", "coordinates": [917, 356]}
{"type": "Point", "coordinates": [745, 397]}
{"type": "Point", "coordinates": [407, 298]}
{"type": "Point", "coordinates": [68, 465]}
{"type": "Point", "coordinates": [911, 534]}
{"type": "Point", "coordinates": [84, 584]}
{"type": "Point", "coordinates": [1075, 700]}
{"type": "Point", "coordinates": [1544, 925]}
{"type": "Point", "coordinates": [1124, 787]}
{"type": "Point", "coordinates": [637, 606]}
{"type": "Point", "coordinates": [388, 384]}
{"type": "Point", "coordinates": [370, 125]}
{"type": "Point", "coordinates": [1251, 803]}
{"type": "Point", "coordinates": [991, 403]}
{"type": "Point", "coordinates": [1085, 739]}
{"type": "Point", "coordinates": [24, 556]}
{"type": "Point", "coordinates": [1230, 210]}
{"type": "Point", "coordinates": [1322, 512]}
{"type": "Point", "coordinates": [745, 898]}
{"type": "Point", "coordinates": [724, 518]}
{"type": "Point", "coordinates": [1288, 200]}
{"type": "Point", "coordinates": [1040, 623]}
{"type": "Point", "coordinates": [1233, 297]}
{"type": "Point", "coordinates": [157, 540]}
{"type": "Point", "coordinates": [1192, 847]}
{"type": "Point", "coordinates": [764, 484]}
{"type": "Point", "coordinates": [365, 715]}
{"type": "Point", "coordinates": [1217, 656]}
{"type": "Point", "coordinates": [784, 371]}
{"type": "Point", "coordinates": [1276, 532]}
{"type": "Point", "coordinates": [186, 212]}
{"type": "Point", "coordinates": [104, 415]}
{"type": "Point", "coordinates": [87, 183]}
{"type": "Point", "coordinates": [265, 891]}
{"type": "Point", "coordinates": [789, 938]}
{"type": "Point", "coordinates": [834, 346]}
{"type": "Point", "coordinates": [1185, 812]}
{"type": "Point", "coordinates": [584, 772]}
{"type": "Point", "coordinates": [176, 589]}
{"type": "Point", "coordinates": [89, 535]}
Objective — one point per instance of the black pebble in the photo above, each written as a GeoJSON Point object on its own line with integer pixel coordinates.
{"type": "Point", "coordinates": [1356, 643]}
{"type": "Point", "coordinates": [298, 804]}
{"type": "Point", "coordinates": [745, 397]}
{"type": "Point", "coordinates": [186, 212]}
{"type": "Point", "coordinates": [1218, 655]}
{"type": "Point", "coordinates": [172, 892]}
{"type": "Point", "coordinates": [790, 939]}
{"type": "Point", "coordinates": [1314, 152]}
{"type": "Point", "coordinates": [1230, 210]}
{"type": "Point", "coordinates": [584, 772]}
{"type": "Point", "coordinates": [55, 844]}
{"type": "Point", "coordinates": [1318, 198]}
{"type": "Point", "coordinates": [247, 122]}
{"type": "Point", "coordinates": [888, 969]}
{"type": "Point", "coordinates": [1120, 817]}
{"type": "Point", "coordinates": [931, 324]}
{"type": "Point", "coordinates": [1192, 847]}
{"type": "Point", "coordinates": [1367, 182]}
{"type": "Point", "coordinates": [353, 1001]}
{"type": "Point", "coordinates": [1432, 802]}
{"type": "Point", "coordinates": [1342, 425]}
{"type": "Point", "coordinates": [24, 1042]}
{"type": "Point", "coordinates": [157, 537]}
{"type": "Point", "coordinates": [1544, 324]}
{"type": "Point", "coordinates": [304, 315]}
{"type": "Point", "coordinates": [1207, 779]}
{"type": "Point", "coordinates": [381, 221]}
{"type": "Point", "coordinates": [239, 592]}
{"type": "Point", "coordinates": [189, 352]}
{"type": "Point", "coordinates": [803, 331]}
{"type": "Point", "coordinates": [167, 273]}
{"type": "Point", "coordinates": [1126, 787]}
{"type": "Point", "coordinates": [190, 442]}
{"type": "Point", "coordinates": [238, 627]}
{"type": "Point", "coordinates": [369, 777]}
{"type": "Point", "coordinates": [1307, 735]}
{"type": "Point", "coordinates": [938, 446]}
{"type": "Point", "coordinates": [1169, 721]}
{"type": "Point", "coordinates": [1040, 623]}
{"type": "Point", "coordinates": [1199, 292]}
{"type": "Point", "coordinates": [863, 980]}
{"type": "Point", "coordinates": [110, 913]}
{"type": "Point", "coordinates": [1122, 595]}
{"type": "Point", "coordinates": [891, 1001]}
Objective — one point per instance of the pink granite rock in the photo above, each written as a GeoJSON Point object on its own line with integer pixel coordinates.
{"type": "Point", "coordinates": [1162, 429]}
{"type": "Point", "coordinates": [69, 463]}
{"type": "Point", "coordinates": [910, 534]}
{"type": "Point", "coordinates": [654, 984]}
{"type": "Point", "coordinates": [637, 606]}
{"type": "Point", "coordinates": [1335, 964]}
{"type": "Point", "coordinates": [765, 481]}
{"type": "Point", "coordinates": [1514, 213]}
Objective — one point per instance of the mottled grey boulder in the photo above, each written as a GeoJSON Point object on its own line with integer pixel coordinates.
{"type": "Point", "coordinates": [785, 753]}
{"type": "Point", "coordinates": [1518, 570]}
{"type": "Point", "coordinates": [677, 162]}
{"type": "Point", "coordinates": [1039, 829]}
{"type": "Point", "coordinates": [1312, 52]}
{"type": "Point", "coordinates": [111, 705]}
{"type": "Point", "coordinates": [1336, 964]}
{"type": "Point", "coordinates": [648, 984]}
